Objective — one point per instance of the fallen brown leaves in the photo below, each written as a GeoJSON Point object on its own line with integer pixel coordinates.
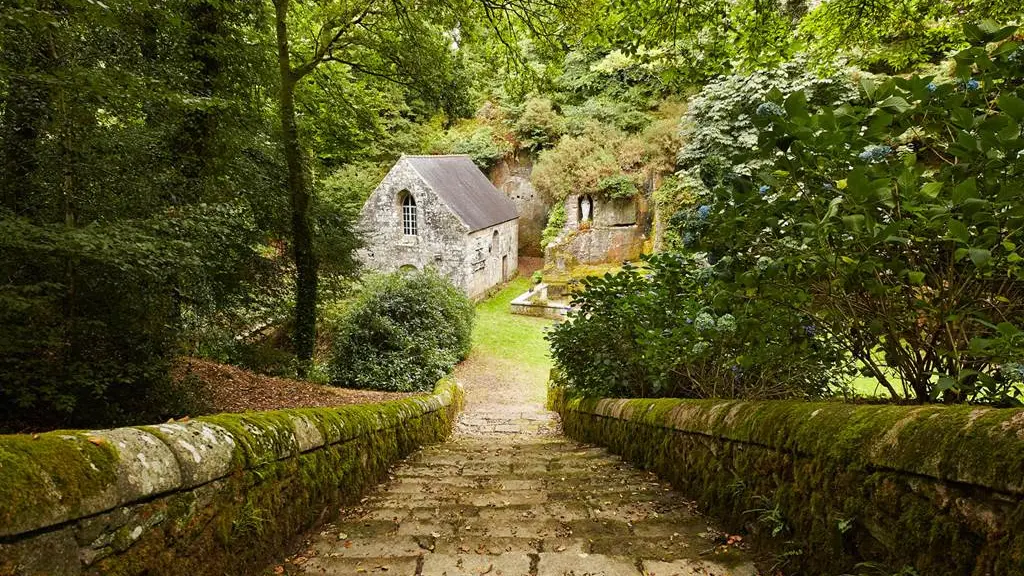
{"type": "Point", "coordinates": [234, 389]}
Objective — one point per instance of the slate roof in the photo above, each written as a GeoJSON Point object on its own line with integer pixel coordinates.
{"type": "Point", "coordinates": [465, 189]}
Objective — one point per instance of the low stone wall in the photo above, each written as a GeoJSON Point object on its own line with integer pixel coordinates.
{"type": "Point", "coordinates": [216, 495]}
{"type": "Point", "coordinates": [830, 485]}
{"type": "Point", "coordinates": [534, 302]}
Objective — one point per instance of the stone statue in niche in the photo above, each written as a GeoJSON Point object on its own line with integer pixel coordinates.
{"type": "Point", "coordinates": [586, 207]}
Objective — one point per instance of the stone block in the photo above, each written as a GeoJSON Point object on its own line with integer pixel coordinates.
{"type": "Point", "coordinates": [698, 568]}
{"type": "Point", "coordinates": [307, 435]}
{"type": "Point", "coordinates": [44, 555]}
{"type": "Point", "coordinates": [615, 212]}
{"type": "Point", "coordinates": [146, 466]}
{"type": "Point", "coordinates": [392, 566]}
{"type": "Point", "coordinates": [475, 565]}
{"type": "Point", "coordinates": [581, 564]}
{"type": "Point", "coordinates": [204, 451]}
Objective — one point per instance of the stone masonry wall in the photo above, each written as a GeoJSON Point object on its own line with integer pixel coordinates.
{"type": "Point", "coordinates": [440, 242]}
{"type": "Point", "coordinates": [617, 233]}
{"type": "Point", "coordinates": [484, 256]}
{"type": "Point", "coordinates": [216, 495]}
{"type": "Point", "coordinates": [827, 486]}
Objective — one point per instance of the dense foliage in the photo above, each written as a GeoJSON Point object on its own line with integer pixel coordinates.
{"type": "Point", "coordinates": [850, 223]}
{"type": "Point", "coordinates": [132, 157]}
{"type": "Point", "coordinates": [667, 329]}
{"type": "Point", "coordinates": [883, 226]}
{"type": "Point", "coordinates": [182, 178]}
{"type": "Point", "coordinates": [892, 222]}
{"type": "Point", "coordinates": [145, 192]}
{"type": "Point", "coordinates": [403, 332]}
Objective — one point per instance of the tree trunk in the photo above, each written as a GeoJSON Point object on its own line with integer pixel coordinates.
{"type": "Point", "coordinates": [196, 139]}
{"type": "Point", "coordinates": [299, 195]}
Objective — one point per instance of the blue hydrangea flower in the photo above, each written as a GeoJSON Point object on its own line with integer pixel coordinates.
{"type": "Point", "coordinates": [932, 87]}
{"type": "Point", "coordinates": [810, 329]}
{"type": "Point", "coordinates": [972, 84]}
{"type": "Point", "coordinates": [763, 189]}
{"type": "Point", "coordinates": [703, 211]}
{"type": "Point", "coordinates": [770, 109]}
{"type": "Point", "coordinates": [1013, 370]}
{"type": "Point", "coordinates": [875, 153]}
{"type": "Point", "coordinates": [737, 370]}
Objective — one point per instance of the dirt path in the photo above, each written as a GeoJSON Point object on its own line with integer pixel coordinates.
{"type": "Point", "coordinates": [509, 496]}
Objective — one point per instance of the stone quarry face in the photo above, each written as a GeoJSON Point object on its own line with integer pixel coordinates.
{"type": "Point", "coordinates": [512, 176]}
{"type": "Point", "coordinates": [615, 231]}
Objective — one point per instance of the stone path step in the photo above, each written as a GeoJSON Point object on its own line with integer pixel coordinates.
{"type": "Point", "coordinates": [508, 496]}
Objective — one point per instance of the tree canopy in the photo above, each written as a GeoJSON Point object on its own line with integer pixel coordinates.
{"type": "Point", "coordinates": [177, 176]}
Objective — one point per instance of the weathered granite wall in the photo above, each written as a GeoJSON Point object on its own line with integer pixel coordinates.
{"type": "Point", "coordinates": [936, 488]}
{"type": "Point", "coordinates": [441, 239]}
{"type": "Point", "coordinates": [617, 232]}
{"type": "Point", "coordinates": [511, 175]}
{"type": "Point", "coordinates": [216, 495]}
{"type": "Point", "coordinates": [492, 258]}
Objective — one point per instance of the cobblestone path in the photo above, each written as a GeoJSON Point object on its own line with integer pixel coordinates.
{"type": "Point", "coordinates": [509, 496]}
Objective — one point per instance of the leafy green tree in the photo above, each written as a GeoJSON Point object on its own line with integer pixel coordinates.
{"type": "Point", "coordinates": [408, 45]}
{"type": "Point", "coordinates": [121, 210]}
{"type": "Point", "coordinates": [893, 36]}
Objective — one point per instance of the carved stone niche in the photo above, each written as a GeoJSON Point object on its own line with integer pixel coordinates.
{"type": "Point", "coordinates": [614, 212]}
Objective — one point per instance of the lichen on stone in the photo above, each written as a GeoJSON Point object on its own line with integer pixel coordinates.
{"type": "Point", "coordinates": [937, 488]}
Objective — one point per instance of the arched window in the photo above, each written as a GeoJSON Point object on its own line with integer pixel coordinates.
{"type": "Point", "coordinates": [408, 215]}
{"type": "Point", "coordinates": [494, 242]}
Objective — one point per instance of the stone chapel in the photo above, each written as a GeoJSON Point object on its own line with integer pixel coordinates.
{"type": "Point", "coordinates": [441, 212]}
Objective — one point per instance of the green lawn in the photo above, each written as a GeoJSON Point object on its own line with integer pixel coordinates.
{"type": "Point", "coordinates": [868, 387]}
{"type": "Point", "coordinates": [500, 334]}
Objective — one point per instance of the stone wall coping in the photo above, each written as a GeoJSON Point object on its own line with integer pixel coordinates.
{"type": "Point", "coordinates": [972, 445]}
{"type": "Point", "coordinates": [57, 477]}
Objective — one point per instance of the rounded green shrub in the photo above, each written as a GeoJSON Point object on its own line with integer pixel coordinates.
{"type": "Point", "coordinates": [403, 333]}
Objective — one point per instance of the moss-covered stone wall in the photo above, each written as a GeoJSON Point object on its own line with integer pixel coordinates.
{"type": "Point", "coordinates": [216, 495]}
{"type": "Point", "coordinates": [828, 486]}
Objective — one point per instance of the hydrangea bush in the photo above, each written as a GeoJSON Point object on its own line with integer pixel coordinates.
{"type": "Point", "coordinates": [668, 329]}
{"type": "Point", "coordinates": [893, 222]}
{"type": "Point", "coordinates": [720, 128]}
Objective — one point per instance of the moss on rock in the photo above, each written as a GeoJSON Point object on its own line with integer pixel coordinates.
{"type": "Point", "coordinates": [46, 478]}
{"type": "Point", "coordinates": [282, 472]}
{"type": "Point", "coordinates": [938, 488]}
